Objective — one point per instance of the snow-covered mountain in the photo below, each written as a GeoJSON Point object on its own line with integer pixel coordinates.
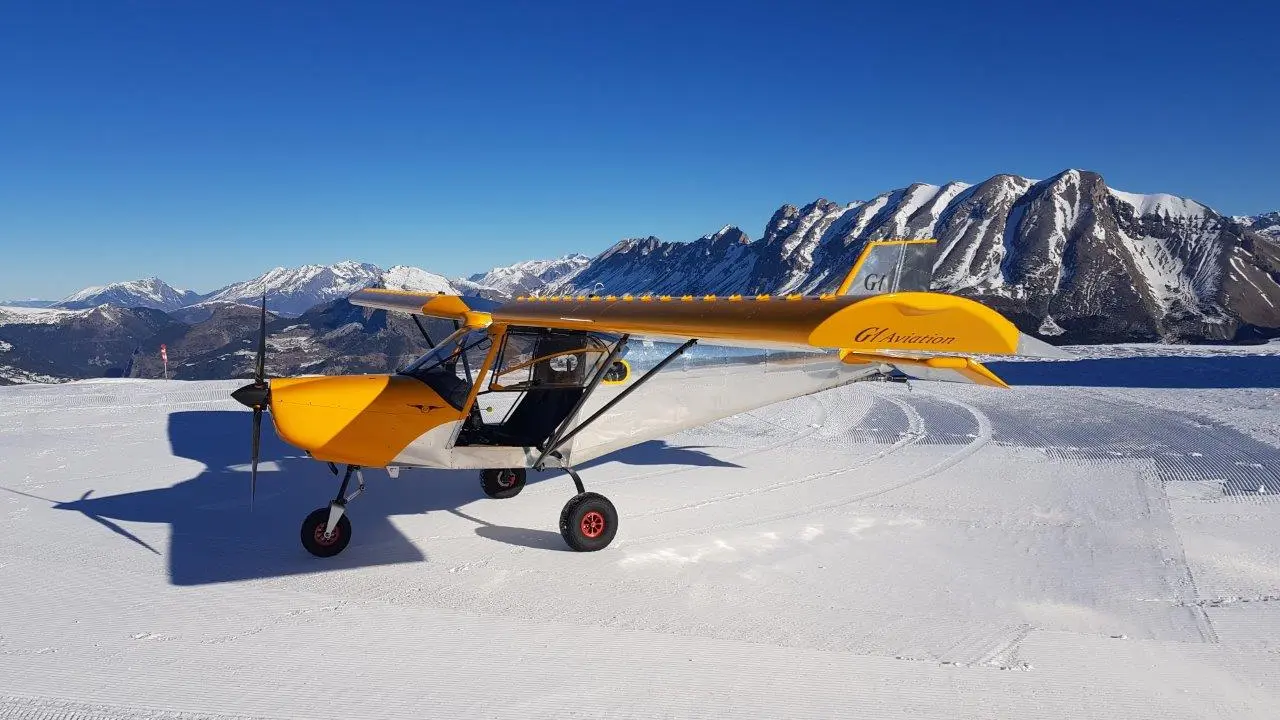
{"type": "Point", "coordinates": [1067, 254]}
{"type": "Point", "coordinates": [404, 277]}
{"type": "Point", "coordinates": [289, 291]}
{"type": "Point", "coordinates": [150, 292]}
{"type": "Point", "coordinates": [531, 276]}
{"type": "Point", "coordinates": [28, 303]}
{"type": "Point", "coordinates": [48, 345]}
{"type": "Point", "coordinates": [1066, 257]}
{"type": "Point", "coordinates": [1266, 224]}
{"type": "Point", "coordinates": [292, 291]}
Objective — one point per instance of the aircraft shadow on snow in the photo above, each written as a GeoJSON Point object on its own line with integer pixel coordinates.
{"type": "Point", "coordinates": [215, 538]}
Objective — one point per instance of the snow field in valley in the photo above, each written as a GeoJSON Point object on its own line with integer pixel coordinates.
{"type": "Point", "coordinates": [1099, 549]}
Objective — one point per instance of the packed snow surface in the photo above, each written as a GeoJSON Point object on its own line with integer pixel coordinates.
{"type": "Point", "coordinates": [1098, 541]}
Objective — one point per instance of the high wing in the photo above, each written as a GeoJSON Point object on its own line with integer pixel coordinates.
{"type": "Point", "coordinates": [440, 305]}
{"type": "Point", "coordinates": [930, 336]}
{"type": "Point", "coordinates": [906, 324]}
{"type": "Point", "coordinates": [883, 314]}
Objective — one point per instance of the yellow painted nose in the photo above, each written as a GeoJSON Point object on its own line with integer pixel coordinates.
{"type": "Point", "coordinates": [363, 420]}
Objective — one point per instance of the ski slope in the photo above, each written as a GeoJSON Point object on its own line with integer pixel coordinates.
{"type": "Point", "coordinates": [1099, 541]}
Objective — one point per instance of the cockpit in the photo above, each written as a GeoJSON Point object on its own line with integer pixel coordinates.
{"type": "Point", "coordinates": [451, 367]}
{"type": "Point", "coordinates": [530, 386]}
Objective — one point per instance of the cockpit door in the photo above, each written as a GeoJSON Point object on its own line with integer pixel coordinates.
{"type": "Point", "coordinates": [536, 380]}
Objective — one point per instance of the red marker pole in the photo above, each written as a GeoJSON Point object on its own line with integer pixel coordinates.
{"type": "Point", "coordinates": [164, 357]}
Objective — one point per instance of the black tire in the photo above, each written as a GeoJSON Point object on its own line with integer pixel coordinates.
{"type": "Point", "coordinates": [502, 483]}
{"type": "Point", "coordinates": [313, 534]}
{"type": "Point", "coordinates": [588, 522]}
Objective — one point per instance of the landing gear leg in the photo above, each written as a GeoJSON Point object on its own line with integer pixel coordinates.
{"type": "Point", "coordinates": [327, 530]}
{"type": "Point", "coordinates": [588, 521]}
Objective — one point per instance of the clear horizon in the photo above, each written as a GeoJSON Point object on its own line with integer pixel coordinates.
{"type": "Point", "coordinates": [205, 145]}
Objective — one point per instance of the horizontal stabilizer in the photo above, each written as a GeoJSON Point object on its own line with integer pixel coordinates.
{"type": "Point", "coordinates": [1035, 347]}
{"type": "Point", "coordinates": [942, 368]}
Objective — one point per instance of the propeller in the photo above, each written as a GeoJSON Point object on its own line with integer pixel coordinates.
{"type": "Point", "coordinates": [257, 395]}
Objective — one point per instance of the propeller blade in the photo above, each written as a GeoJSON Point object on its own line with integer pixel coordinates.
{"type": "Point", "coordinates": [260, 372]}
{"type": "Point", "coordinates": [253, 467]}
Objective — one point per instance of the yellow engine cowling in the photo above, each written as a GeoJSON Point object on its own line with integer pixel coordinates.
{"type": "Point", "coordinates": [362, 420]}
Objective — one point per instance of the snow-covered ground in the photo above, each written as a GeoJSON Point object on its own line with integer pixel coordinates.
{"type": "Point", "coordinates": [1099, 541]}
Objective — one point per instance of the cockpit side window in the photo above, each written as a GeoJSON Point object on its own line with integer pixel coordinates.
{"type": "Point", "coordinates": [449, 369]}
{"type": "Point", "coordinates": [537, 358]}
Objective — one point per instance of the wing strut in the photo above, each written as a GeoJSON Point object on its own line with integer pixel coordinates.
{"type": "Point", "coordinates": [559, 440]}
{"type": "Point", "coordinates": [418, 322]}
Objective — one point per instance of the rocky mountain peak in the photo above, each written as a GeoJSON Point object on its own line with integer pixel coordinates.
{"type": "Point", "coordinates": [1068, 253]}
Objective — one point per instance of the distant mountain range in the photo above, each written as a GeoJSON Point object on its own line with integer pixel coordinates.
{"type": "Point", "coordinates": [1267, 224]}
{"type": "Point", "coordinates": [1066, 258]}
{"type": "Point", "coordinates": [293, 291]}
{"type": "Point", "coordinates": [530, 277]}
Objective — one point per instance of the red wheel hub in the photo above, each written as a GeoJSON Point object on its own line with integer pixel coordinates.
{"type": "Point", "coordinates": [323, 541]}
{"type": "Point", "coordinates": [593, 524]}
{"type": "Point", "coordinates": [506, 479]}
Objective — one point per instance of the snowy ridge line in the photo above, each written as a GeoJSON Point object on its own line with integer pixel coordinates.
{"type": "Point", "coordinates": [1154, 266]}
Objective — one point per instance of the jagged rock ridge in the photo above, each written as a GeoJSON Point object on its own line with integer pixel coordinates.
{"type": "Point", "coordinates": [1068, 254]}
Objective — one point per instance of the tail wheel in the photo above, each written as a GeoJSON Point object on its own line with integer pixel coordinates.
{"type": "Point", "coordinates": [588, 522]}
{"type": "Point", "coordinates": [317, 542]}
{"type": "Point", "coordinates": [502, 483]}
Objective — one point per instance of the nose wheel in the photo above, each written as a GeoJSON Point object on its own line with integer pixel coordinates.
{"type": "Point", "coordinates": [327, 530]}
{"type": "Point", "coordinates": [321, 542]}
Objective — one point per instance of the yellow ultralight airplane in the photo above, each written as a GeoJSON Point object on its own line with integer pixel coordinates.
{"type": "Point", "coordinates": [553, 368]}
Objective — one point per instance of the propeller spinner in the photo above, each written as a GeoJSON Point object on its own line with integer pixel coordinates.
{"type": "Point", "coordinates": [257, 395]}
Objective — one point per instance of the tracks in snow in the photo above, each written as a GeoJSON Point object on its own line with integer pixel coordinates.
{"type": "Point", "coordinates": [917, 432]}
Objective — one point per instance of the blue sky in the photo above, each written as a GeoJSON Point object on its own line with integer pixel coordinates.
{"type": "Point", "coordinates": [204, 142]}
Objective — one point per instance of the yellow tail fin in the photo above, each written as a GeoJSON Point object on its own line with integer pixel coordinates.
{"type": "Point", "coordinates": [888, 266]}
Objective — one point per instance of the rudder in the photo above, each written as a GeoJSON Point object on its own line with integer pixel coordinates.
{"type": "Point", "coordinates": [889, 266]}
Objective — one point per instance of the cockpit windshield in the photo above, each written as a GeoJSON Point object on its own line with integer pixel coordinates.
{"type": "Point", "coordinates": [450, 368]}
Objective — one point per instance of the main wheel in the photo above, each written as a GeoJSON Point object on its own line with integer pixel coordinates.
{"type": "Point", "coordinates": [588, 522]}
{"type": "Point", "coordinates": [313, 537]}
{"type": "Point", "coordinates": [502, 483]}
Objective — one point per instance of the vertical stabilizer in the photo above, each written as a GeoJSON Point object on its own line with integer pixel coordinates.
{"type": "Point", "coordinates": [888, 266]}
